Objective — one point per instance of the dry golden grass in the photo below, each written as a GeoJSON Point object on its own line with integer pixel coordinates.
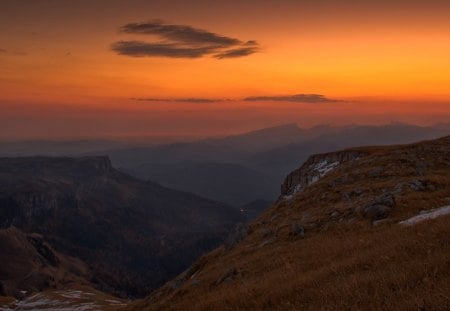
{"type": "Point", "coordinates": [344, 262]}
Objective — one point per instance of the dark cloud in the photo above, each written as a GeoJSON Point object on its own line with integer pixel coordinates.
{"type": "Point", "coordinates": [182, 100]}
{"type": "Point", "coordinates": [297, 98]}
{"type": "Point", "coordinates": [3, 51]}
{"type": "Point", "coordinates": [181, 41]}
{"type": "Point", "coordinates": [181, 34]}
{"type": "Point", "coordinates": [141, 49]}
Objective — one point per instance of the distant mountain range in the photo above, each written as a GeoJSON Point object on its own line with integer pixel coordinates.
{"type": "Point", "coordinates": [219, 168]}
{"type": "Point", "coordinates": [80, 220]}
{"type": "Point", "coordinates": [237, 169]}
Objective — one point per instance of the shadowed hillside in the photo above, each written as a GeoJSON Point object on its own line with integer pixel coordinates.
{"type": "Point", "coordinates": [129, 235]}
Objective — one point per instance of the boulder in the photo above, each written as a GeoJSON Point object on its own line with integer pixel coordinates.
{"type": "Point", "coordinates": [380, 207]}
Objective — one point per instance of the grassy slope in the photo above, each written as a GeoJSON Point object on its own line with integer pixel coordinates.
{"type": "Point", "coordinates": [344, 262]}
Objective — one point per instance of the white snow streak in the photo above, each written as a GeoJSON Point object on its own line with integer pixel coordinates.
{"type": "Point", "coordinates": [428, 215]}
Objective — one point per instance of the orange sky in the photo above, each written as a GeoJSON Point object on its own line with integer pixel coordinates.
{"type": "Point", "coordinates": [388, 60]}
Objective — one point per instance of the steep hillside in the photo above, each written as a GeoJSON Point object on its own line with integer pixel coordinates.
{"type": "Point", "coordinates": [336, 239]}
{"type": "Point", "coordinates": [130, 235]}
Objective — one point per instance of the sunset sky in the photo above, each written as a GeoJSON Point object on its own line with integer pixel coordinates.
{"type": "Point", "coordinates": [115, 68]}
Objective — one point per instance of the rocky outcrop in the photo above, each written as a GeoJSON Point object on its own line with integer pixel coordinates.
{"type": "Point", "coordinates": [315, 168]}
{"type": "Point", "coordinates": [380, 207]}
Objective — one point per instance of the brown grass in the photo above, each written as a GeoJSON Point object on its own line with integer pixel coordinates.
{"type": "Point", "coordinates": [344, 262]}
{"type": "Point", "coordinates": [389, 267]}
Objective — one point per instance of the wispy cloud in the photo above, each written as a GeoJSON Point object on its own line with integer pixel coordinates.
{"type": "Point", "coordinates": [195, 100]}
{"type": "Point", "coordinates": [297, 98]}
{"type": "Point", "coordinates": [181, 41]}
{"type": "Point", "coordinates": [15, 53]}
{"type": "Point", "coordinates": [239, 52]}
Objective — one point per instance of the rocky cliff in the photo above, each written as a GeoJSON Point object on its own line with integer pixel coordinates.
{"type": "Point", "coordinates": [316, 167]}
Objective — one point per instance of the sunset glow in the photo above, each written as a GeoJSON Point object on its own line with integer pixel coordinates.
{"type": "Point", "coordinates": [385, 61]}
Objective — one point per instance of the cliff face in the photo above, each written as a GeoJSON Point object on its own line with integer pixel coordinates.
{"type": "Point", "coordinates": [132, 235]}
{"type": "Point", "coordinates": [316, 167]}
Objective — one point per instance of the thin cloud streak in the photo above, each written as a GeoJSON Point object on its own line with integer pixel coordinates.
{"type": "Point", "coordinates": [297, 98]}
{"type": "Point", "coordinates": [183, 100]}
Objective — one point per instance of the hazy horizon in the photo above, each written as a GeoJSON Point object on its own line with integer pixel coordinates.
{"type": "Point", "coordinates": [164, 138]}
{"type": "Point", "coordinates": [109, 68]}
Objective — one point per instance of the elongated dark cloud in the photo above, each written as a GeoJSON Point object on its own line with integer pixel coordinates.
{"type": "Point", "coordinates": [141, 49]}
{"type": "Point", "coordinates": [180, 33]}
{"type": "Point", "coordinates": [181, 41]}
{"type": "Point", "coordinates": [3, 51]}
{"type": "Point", "coordinates": [194, 100]}
{"type": "Point", "coordinates": [297, 98]}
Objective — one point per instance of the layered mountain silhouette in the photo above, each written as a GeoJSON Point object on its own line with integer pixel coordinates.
{"type": "Point", "coordinates": [362, 228]}
{"type": "Point", "coordinates": [219, 168]}
{"type": "Point", "coordinates": [80, 220]}
{"type": "Point", "coordinates": [237, 169]}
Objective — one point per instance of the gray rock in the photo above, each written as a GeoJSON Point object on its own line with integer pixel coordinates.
{"type": "Point", "coordinates": [422, 185]}
{"type": "Point", "coordinates": [417, 185]}
{"type": "Point", "coordinates": [380, 207]}
{"type": "Point", "coordinates": [376, 172]}
{"type": "Point", "coordinates": [399, 188]}
{"type": "Point", "coordinates": [358, 191]}
{"type": "Point", "coordinates": [227, 276]}
{"type": "Point", "coordinates": [268, 241]}
{"type": "Point", "coordinates": [379, 222]}
{"type": "Point", "coordinates": [297, 230]}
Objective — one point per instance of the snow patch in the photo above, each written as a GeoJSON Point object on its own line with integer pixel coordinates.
{"type": "Point", "coordinates": [324, 167]}
{"type": "Point", "coordinates": [319, 170]}
{"type": "Point", "coordinates": [427, 215]}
